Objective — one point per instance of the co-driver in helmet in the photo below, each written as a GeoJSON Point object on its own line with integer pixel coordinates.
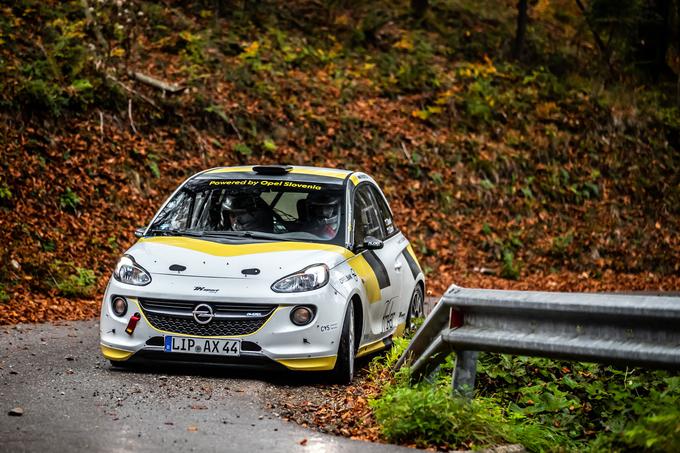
{"type": "Point", "coordinates": [324, 215]}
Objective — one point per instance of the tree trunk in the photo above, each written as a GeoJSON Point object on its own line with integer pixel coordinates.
{"type": "Point", "coordinates": [419, 8]}
{"type": "Point", "coordinates": [518, 45]}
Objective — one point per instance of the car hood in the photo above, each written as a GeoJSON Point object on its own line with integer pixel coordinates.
{"type": "Point", "coordinates": [260, 260]}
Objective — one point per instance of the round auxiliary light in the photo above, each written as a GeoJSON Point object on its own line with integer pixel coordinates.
{"type": "Point", "coordinates": [301, 316]}
{"type": "Point", "coordinates": [119, 306]}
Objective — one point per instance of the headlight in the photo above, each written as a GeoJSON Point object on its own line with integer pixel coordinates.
{"type": "Point", "coordinates": [312, 277]}
{"type": "Point", "coordinates": [127, 271]}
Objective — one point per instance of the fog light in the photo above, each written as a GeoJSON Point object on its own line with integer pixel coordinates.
{"type": "Point", "coordinates": [119, 306]}
{"type": "Point", "coordinates": [301, 316]}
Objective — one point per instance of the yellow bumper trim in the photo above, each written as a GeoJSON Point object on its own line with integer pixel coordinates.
{"type": "Point", "coordinates": [115, 354]}
{"type": "Point", "coordinates": [310, 364]}
{"type": "Point", "coordinates": [401, 328]}
{"type": "Point", "coordinates": [371, 347]}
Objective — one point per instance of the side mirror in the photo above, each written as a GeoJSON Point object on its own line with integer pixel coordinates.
{"type": "Point", "coordinates": [139, 232]}
{"type": "Point", "coordinates": [371, 243]}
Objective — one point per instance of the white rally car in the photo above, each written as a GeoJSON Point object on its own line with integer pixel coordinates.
{"type": "Point", "coordinates": [295, 266]}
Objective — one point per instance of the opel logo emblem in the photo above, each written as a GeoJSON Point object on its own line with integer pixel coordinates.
{"type": "Point", "coordinates": [203, 313]}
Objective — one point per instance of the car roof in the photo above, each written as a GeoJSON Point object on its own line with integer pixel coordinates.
{"type": "Point", "coordinates": [297, 173]}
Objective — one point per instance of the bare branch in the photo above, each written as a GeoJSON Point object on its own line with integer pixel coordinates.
{"type": "Point", "coordinates": [157, 83]}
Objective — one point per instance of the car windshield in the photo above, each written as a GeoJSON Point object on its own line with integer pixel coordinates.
{"type": "Point", "coordinates": [254, 209]}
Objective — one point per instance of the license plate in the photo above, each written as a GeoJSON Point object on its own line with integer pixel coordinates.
{"type": "Point", "coordinates": [203, 346]}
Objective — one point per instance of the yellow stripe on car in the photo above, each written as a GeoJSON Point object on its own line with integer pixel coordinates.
{"type": "Point", "coordinates": [341, 174]}
{"type": "Point", "coordinates": [371, 347]}
{"type": "Point", "coordinates": [328, 172]}
{"type": "Point", "coordinates": [354, 179]}
{"type": "Point", "coordinates": [309, 364]}
{"type": "Point", "coordinates": [217, 249]}
{"type": "Point", "coordinates": [413, 255]}
{"type": "Point", "coordinates": [230, 170]}
{"type": "Point", "coordinates": [115, 354]}
{"type": "Point", "coordinates": [367, 275]}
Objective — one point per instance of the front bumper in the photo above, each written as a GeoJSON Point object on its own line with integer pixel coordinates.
{"type": "Point", "coordinates": [312, 347]}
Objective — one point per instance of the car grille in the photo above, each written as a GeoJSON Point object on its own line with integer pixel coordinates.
{"type": "Point", "coordinates": [230, 319]}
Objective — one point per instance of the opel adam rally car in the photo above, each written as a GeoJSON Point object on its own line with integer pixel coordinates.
{"type": "Point", "coordinates": [297, 267]}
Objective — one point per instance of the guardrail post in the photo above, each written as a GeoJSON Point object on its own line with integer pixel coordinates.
{"type": "Point", "coordinates": [464, 373]}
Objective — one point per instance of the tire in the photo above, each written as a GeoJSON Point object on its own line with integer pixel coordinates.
{"type": "Point", "coordinates": [343, 373]}
{"type": "Point", "coordinates": [416, 308]}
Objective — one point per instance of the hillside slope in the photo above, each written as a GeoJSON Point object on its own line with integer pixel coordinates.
{"type": "Point", "coordinates": [532, 175]}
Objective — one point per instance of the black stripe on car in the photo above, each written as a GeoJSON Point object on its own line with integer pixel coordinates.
{"type": "Point", "coordinates": [415, 270]}
{"type": "Point", "coordinates": [378, 269]}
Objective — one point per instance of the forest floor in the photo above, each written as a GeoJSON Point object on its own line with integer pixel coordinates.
{"type": "Point", "coordinates": [503, 175]}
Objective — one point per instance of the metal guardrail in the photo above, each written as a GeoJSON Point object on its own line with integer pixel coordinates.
{"type": "Point", "coordinates": [641, 330]}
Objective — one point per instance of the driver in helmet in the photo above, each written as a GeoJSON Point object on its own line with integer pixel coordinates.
{"type": "Point", "coordinates": [324, 215]}
{"type": "Point", "coordinates": [245, 212]}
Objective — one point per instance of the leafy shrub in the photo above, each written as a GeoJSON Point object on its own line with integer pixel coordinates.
{"type": "Point", "coordinates": [40, 95]}
{"type": "Point", "coordinates": [427, 414]}
{"type": "Point", "coordinates": [543, 404]}
{"type": "Point", "coordinates": [80, 284]}
{"type": "Point", "coordinates": [602, 407]}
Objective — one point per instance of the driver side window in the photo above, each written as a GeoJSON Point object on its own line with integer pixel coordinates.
{"type": "Point", "coordinates": [366, 216]}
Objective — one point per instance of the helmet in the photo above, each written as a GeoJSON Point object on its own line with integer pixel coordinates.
{"type": "Point", "coordinates": [323, 209]}
{"type": "Point", "coordinates": [241, 212]}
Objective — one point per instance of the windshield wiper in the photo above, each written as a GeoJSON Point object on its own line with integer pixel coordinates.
{"type": "Point", "coordinates": [175, 232]}
{"type": "Point", "coordinates": [247, 234]}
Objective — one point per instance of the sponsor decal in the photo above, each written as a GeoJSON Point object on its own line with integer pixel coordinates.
{"type": "Point", "coordinates": [206, 290]}
{"type": "Point", "coordinates": [388, 316]}
{"type": "Point", "coordinates": [346, 278]}
{"type": "Point", "coordinates": [264, 183]}
{"type": "Point", "coordinates": [328, 327]}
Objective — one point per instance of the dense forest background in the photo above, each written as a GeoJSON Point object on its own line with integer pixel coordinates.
{"type": "Point", "coordinates": [528, 145]}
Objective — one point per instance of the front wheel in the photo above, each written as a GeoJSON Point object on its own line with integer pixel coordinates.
{"type": "Point", "coordinates": [343, 373]}
{"type": "Point", "coordinates": [416, 308]}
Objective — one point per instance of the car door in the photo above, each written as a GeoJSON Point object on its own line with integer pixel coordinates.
{"type": "Point", "coordinates": [385, 263]}
{"type": "Point", "coordinates": [405, 267]}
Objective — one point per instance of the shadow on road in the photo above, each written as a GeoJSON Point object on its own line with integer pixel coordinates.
{"type": "Point", "coordinates": [277, 376]}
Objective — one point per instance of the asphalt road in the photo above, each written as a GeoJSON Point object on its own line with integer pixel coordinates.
{"type": "Point", "coordinates": [73, 400]}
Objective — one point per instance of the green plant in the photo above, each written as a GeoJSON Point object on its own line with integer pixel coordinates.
{"type": "Point", "coordinates": [152, 163]}
{"type": "Point", "coordinates": [5, 193]}
{"type": "Point", "coordinates": [510, 268]}
{"type": "Point", "coordinates": [4, 297]}
{"type": "Point", "coordinates": [603, 407]}
{"type": "Point", "coordinates": [69, 200]}
{"type": "Point", "coordinates": [243, 149]}
{"type": "Point", "coordinates": [79, 284]}
{"type": "Point", "coordinates": [560, 244]}
{"type": "Point", "coordinates": [428, 415]}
